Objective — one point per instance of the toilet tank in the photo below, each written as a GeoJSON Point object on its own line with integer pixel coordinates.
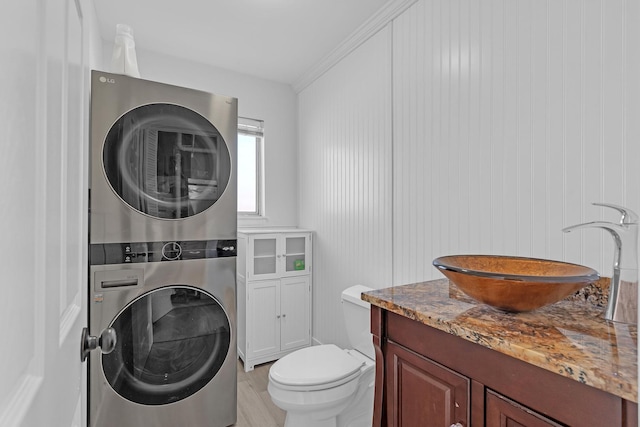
{"type": "Point", "coordinates": [356, 315]}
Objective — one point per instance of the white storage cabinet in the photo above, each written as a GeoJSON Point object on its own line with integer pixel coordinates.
{"type": "Point", "coordinates": [274, 293]}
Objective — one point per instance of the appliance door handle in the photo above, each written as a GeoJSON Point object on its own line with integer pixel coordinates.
{"type": "Point", "coordinates": [106, 341]}
{"type": "Point", "coordinates": [118, 283]}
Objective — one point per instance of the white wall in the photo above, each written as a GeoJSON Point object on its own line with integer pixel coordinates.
{"type": "Point", "coordinates": [345, 179]}
{"type": "Point", "coordinates": [273, 102]}
{"type": "Point", "coordinates": [509, 118]}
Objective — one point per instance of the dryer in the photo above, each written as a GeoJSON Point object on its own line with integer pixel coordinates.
{"type": "Point", "coordinates": [162, 162]}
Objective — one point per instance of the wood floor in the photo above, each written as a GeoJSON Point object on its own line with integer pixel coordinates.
{"type": "Point", "coordinates": [255, 408]}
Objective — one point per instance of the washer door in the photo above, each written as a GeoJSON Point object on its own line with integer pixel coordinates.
{"type": "Point", "coordinates": [166, 161]}
{"type": "Point", "coordinates": [170, 343]}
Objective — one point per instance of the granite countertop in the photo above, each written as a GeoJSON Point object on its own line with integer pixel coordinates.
{"type": "Point", "coordinates": [570, 338]}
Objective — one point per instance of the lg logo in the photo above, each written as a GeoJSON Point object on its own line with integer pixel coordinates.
{"type": "Point", "coordinates": [103, 79]}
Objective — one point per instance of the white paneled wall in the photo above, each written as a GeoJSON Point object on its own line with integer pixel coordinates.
{"type": "Point", "coordinates": [510, 118]}
{"type": "Point", "coordinates": [470, 126]}
{"type": "Point", "coordinates": [345, 179]}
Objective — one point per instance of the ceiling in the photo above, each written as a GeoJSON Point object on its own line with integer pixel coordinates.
{"type": "Point", "coordinates": [278, 40]}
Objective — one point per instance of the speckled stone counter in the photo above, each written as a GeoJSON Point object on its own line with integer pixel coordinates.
{"type": "Point", "coordinates": [570, 338]}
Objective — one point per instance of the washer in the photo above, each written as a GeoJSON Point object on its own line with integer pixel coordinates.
{"type": "Point", "coordinates": [162, 162]}
{"type": "Point", "coordinates": [170, 309]}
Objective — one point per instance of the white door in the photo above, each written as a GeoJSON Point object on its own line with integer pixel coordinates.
{"type": "Point", "coordinates": [295, 293]}
{"type": "Point", "coordinates": [44, 212]}
{"type": "Point", "coordinates": [263, 318]}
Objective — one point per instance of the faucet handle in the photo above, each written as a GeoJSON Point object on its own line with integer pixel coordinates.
{"type": "Point", "coordinates": [628, 216]}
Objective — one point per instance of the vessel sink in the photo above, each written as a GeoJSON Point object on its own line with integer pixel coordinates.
{"type": "Point", "coordinates": [514, 284]}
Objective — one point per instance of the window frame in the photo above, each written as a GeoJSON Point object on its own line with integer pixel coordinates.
{"type": "Point", "coordinates": [255, 128]}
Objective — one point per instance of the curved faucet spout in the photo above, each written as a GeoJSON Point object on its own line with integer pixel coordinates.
{"type": "Point", "coordinates": [594, 224]}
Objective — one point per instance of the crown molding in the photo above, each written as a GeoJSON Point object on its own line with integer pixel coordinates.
{"type": "Point", "coordinates": [374, 24]}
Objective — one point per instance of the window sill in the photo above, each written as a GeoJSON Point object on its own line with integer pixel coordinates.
{"type": "Point", "coordinates": [246, 219]}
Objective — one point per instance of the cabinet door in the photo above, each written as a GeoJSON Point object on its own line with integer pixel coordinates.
{"type": "Point", "coordinates": [263, 256]}
{"type": "Point", "coordinates": [296, 254]}
{"type": "Point", "coordinates": [503, 412]}
{"type": "Point", "coordinates": [263, 322]}
{"type": "Point", "coordinates": [422, 393]}
{"type": "Point", "coordinates": [295, 308]}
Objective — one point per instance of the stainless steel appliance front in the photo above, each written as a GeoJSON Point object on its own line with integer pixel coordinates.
{"type": "Point", "coordinates": [162, 162]}
{"type": "Point", "coordinates": [174, 362]}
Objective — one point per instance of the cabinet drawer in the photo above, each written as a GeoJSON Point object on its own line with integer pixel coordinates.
{"type": "Point", "coordinates": [503, 412]}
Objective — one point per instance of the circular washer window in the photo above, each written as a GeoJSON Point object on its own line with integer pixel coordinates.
{"type": "Point", "coordinates": [170, 343]}
{"type": "Point", "coordinates": [166, 161]}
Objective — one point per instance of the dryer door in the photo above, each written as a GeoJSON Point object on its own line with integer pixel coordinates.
{"type": "Point", "coordinates": [170, 343]}
{"type": "Point", "coordinates": [166, 161]}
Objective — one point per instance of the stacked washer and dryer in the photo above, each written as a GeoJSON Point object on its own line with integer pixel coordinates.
{"type": "Point", "coordinates": [162, 297]}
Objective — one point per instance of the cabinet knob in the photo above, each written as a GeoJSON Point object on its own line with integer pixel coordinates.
{"type": "Point", "coordinates": [278, 316]}
{"type": "Point", "coordinates": [457, 425]}
{"type": "Point", "coordinates": [284, 315]}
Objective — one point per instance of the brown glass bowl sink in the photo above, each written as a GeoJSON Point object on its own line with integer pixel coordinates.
{"type": "Point", "coordinates": [513, 283]}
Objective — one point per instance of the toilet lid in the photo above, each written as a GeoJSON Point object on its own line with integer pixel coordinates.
{"type": "Point", "coordinates": [315, 365]}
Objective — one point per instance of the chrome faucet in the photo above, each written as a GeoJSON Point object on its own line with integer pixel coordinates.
{"type": "Point", "coordinates": [623, 292]}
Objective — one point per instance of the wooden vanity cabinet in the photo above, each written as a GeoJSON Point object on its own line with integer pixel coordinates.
{"type": "Point", "coordinates": [429, 378]}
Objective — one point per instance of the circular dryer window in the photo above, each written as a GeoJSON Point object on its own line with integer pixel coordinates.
{"type": "Point", "coordinates": [170, 343]}
{"type": "Point", "coordinates": [166, 161]}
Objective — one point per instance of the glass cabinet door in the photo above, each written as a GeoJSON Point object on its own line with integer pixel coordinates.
{"type": "Point", "coordinates": [264, 253]}
{"type": "Point", "coordinates": [295, 250]}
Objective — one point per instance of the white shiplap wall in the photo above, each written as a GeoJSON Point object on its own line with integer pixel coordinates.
{"type": "Point", "coordinates": [470, 126]}
{"type": "Point", "coordinates": [345, 179]}
{"type": "Point", "coordinates": [510, 118]}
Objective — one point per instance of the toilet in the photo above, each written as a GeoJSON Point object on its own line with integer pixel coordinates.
{"type": "Point", "coordinates": [324, 385]}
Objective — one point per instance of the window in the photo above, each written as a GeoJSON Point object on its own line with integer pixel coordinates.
{"type": "Point", "coordinates": [250, 139]}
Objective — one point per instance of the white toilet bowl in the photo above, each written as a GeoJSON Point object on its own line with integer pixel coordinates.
{"type": "Point", "coordinates": [326, 386]}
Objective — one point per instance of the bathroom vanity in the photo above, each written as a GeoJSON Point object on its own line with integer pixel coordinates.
{"type": "Point", "coordinates": [443, 359]}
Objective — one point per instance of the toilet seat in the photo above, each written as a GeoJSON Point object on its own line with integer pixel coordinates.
{"type": "Point", "coordinates": [315, 368]}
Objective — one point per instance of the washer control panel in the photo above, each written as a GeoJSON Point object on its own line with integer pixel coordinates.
{"type": "Point", "coordinates": [140, 252]}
